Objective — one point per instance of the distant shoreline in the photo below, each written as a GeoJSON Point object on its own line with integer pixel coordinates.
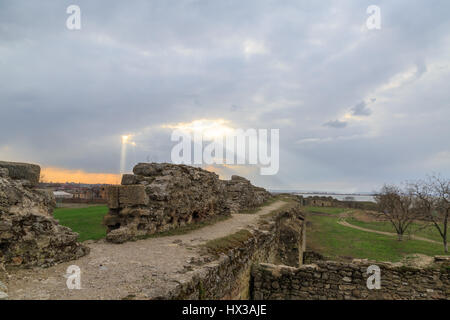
{"type": "Point", "coordinates": [360, 197]}
{"type": "Point", "coordinates": [324, 193]}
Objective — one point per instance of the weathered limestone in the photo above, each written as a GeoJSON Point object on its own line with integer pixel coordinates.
{"type": "Point", "coordinates": [163, 196]}
{"type": "Point", "coordinates": [324, 201]}
{"type": "Point", "coordinates": [241, 194]}
{"type": "Point", "coordinates": [22, 171]}
{"type": "Point", "coordinates": [126, 196]}
{"type": "Point", "coordinates": [159, 197]}
{"type": "Point", "coordinates": [29, 235]}
{"type": "Point", "coordinates": [291, 237]}
{"type": "Point", "coordinates": [331, 280]}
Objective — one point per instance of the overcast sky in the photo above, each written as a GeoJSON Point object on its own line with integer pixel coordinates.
{"type": "Point", "coordinates": [355, 107]}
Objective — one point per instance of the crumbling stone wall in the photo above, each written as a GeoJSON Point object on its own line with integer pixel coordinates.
{"type": "Point", "coordinates": [22, 171]}
{"type": "Point", "coordinates": [29, 235]}
{"type": "Point", "coordinates": [323, 201]}
{"type": "Point", "coordinates": [338, 280]}
{"type": "Point", "coordinates": [310, 257]}
{"type": "Point", "coordinates": [229, 277]}
{"type": "Point", "coordinates": [291, 234]}
{"type": "Point", "coordinates": [241, 194]}
{"type": "Point", "coordinates": [162, 196]}
{"type": "Point", "coordinates": [318, 201]}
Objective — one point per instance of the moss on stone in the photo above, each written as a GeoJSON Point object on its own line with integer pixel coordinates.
{"type": "Point", "coordinates": [224, 244]}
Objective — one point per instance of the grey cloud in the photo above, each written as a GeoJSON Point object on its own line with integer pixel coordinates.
{"type": "Point", "coordinates": [336, 124]}
{"type": "Point", "coordinates": [361, 109]}
{"type": "Point", "coordinates": [66, 97]}
{"type": "Point", "coordinates": [421, 68]}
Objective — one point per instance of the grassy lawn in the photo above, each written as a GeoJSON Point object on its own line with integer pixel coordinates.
{"type": "Point", "coordinates": [86, 221]}
{"type": "Point", "coordinates": [328, 210]}
{"type": "Point", "coordinates": [327, 237]}
{"type": "Point", "coordinates": [429, 232]}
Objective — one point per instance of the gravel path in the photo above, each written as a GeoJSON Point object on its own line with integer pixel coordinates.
{"type": "Point", "coordinates": [142, 269]}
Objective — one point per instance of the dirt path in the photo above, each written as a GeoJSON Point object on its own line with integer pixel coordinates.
{"type": "Point", "coordinates": [142, 269]}
{"type": "Point", "coordinates": [343, 222]}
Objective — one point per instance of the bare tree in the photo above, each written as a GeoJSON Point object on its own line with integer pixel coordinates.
{"type": "Point", "coordinates": [433, 200]}
{"type": "Point", "coordinates": [398, 207]}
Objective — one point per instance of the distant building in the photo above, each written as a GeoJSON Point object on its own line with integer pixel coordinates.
{"type": "Point", "coordinates": [77, 192]}
{"type": "Point", "coordinates": [316, 201]}
{"type": "Point", "coordinates": [89, 193]}
{"type": "Point", "coordinates": [62, 195]}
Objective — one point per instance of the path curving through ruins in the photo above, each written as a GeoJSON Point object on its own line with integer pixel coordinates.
{"type": "Point", "coordinates": [344, 223]}
{"type": "Point", "coordinates": [143, 269]}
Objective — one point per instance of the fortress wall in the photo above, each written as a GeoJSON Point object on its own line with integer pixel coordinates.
{"type": "Point", "coordinates": [338, 281]}
{"type": "Point", "coordinates": [29, 235]}
{"type": "Point", "coordinates": [22, 171]}
{"type": "Point", "coordinates": [240, 194]}
{"type": "Point", "coordinates": [161, 196]}
{"type": "Point", "coordinates": [229, 277]}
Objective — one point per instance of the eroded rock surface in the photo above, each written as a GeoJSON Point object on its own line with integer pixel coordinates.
{"type": "Point", "coordinates": [162, 196]}
{"type": "Point", "coordinates": [333, 280]}
{"type": "Point", "coordinates": [29, 235]}
{"type": "Point", "coordinates": [22, 171]}
{"type": "Point", "coordinates": [242, 195]}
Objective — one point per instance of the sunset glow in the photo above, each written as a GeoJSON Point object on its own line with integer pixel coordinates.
{"type": "Point", "coordinates": [78, 176]}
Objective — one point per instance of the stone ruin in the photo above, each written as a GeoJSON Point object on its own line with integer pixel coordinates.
{"type": "Point", "coordinates": [242, 195]}
{"type": "Point", "coordinates": [29, 235]}
{"type": "Point", "coordinates": [338, 280]}
{"type": "Point", "coordinates": [162, 196]}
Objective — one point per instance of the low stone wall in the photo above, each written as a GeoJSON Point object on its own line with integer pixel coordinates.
{"type": "Point", "coordinates": [161, 196]}
{"type": "Point", "coordinates": [310, 257]}
{"type": "Point", "coordinates": [29, 235]}
{"type": "Point", "coordinates": [324, 201]}
{"type": "Point", "coordinates": [229, 277]}
{"type": "Point", "coordinates": [337, 280]}
{"type": "Point", "coordinates": [291, 237]}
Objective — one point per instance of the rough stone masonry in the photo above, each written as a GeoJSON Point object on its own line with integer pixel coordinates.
{"type": "Point", "coordinates": [162, 196]}
{"type": "Point", "coordinates": [229, 276]}
{"type": "Point", "coordinates": [333, 280]}
{"type": "Point", "coordinates": [29, 235]}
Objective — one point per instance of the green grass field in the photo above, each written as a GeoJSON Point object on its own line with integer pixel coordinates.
{"type": "Point", "coordinates": [86, 221]}
{"type": "Point", "coordinates": [328, 210]}
{"type": "Point", "coordinates": [335, 241]}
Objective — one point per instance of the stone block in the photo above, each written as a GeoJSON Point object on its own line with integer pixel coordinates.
{"type": "Point", "coordinates": [148, 169]}
{"type": "Point", "coordinates": [112, 196]}
{"type": "Point", "coordinates": [126, 196]}
{"type": "Point", "coordinates": [129, 179]}
{"type": "Point", "coordinates": [132, 195]}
